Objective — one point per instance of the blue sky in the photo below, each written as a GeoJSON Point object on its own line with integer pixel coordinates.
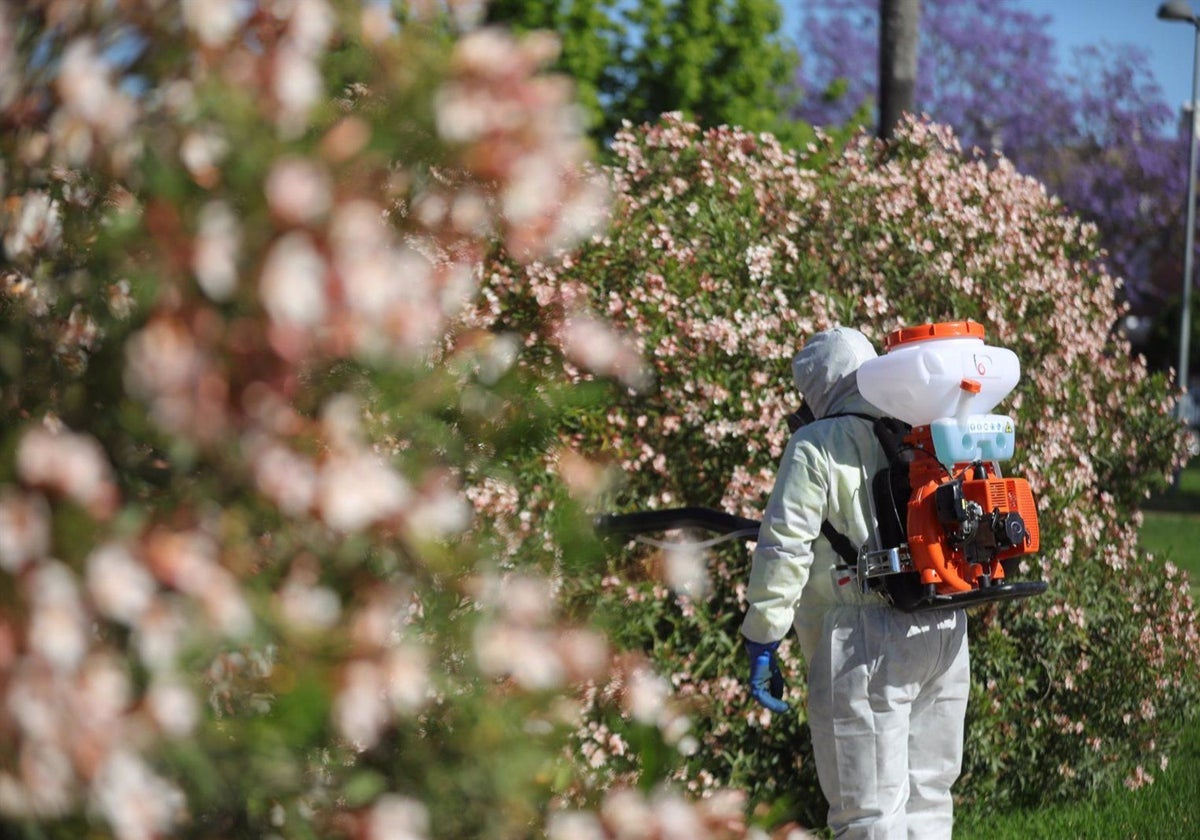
{"type": "Point", "coordinates": [1083, 22]}
{"type": "Point", "coordinates": [1169, 45]}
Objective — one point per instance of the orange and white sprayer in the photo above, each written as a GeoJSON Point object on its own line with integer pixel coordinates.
{"type": "Point", "coordinates": [965, 521]}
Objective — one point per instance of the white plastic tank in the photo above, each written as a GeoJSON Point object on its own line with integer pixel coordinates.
{"type": "Point", "coordinates": [938, 370]}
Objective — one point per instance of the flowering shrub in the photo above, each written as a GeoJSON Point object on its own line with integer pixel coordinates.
{"type": "Point", "coordinates": [294, 494]}
{"type": "Point", "coordinates": [244, 587]}
{"type": "Point", "coordinates": [724, 254]}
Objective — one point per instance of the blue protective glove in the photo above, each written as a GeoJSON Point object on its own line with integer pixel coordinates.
{"type": "Point", "coordinates": [766, 680]}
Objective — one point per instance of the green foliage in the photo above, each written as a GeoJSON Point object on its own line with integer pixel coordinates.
{"type": "Point", "coordinates": [719, 63]}
{"type": "Point", "coordinates": [725, 253]}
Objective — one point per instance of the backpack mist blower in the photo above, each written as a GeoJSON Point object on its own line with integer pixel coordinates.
{"type": "Point", "coordinates": [951, 527]}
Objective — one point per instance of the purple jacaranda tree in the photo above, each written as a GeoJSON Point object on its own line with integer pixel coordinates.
{"type": "Point", "coordinates": [1097, 130]}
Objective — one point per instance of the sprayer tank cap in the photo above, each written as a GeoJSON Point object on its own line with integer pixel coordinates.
{"type": "Point", "coordinates": [925, 332]}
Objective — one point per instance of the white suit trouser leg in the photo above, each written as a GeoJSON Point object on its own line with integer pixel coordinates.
{"type": "Point", "coordinates": [887, 698]}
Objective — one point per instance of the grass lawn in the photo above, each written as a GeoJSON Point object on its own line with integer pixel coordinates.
{"type": "Point", "coordinates": [1176, 537]}
{"type": "Point", "coordinates": [1172, 526]}
{"type": "Point", "coordinates": [1167, 809]}
{"type": "Point", "coordinates": [1170, 808]}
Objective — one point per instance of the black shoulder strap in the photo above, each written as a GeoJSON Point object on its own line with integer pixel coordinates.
{"type": "Point", "coordinates": [890, 433]}
{"type": "Point", "coordinates": [840, 542]}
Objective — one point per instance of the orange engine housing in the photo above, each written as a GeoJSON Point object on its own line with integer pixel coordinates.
{"type": "Point", "coordinates": [962, 526]}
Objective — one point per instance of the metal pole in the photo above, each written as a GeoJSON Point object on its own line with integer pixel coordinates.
{"type": "Point", "coordinates": [1185, 318]}
{"type": "Point", "coordinates": [1181, 10]}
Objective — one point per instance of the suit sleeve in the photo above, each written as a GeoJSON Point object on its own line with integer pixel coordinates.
{"type": "Point", "coordinates": [783, 556]}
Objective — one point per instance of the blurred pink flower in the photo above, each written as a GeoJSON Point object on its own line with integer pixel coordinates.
{"type": "Point", "coordinates": [85, 83]}
{"type": "Point", "coordinates": [360, 710]}
{"type": "Point", "coordinates": [297, 85]}
{"type": "Point", "coordinates": [298, 190]}
{"type": "Point", "coordinates": [597, 347]}
{"type": "Point", "coordinates": [396, 817]}
{"type": "Point", "coordinates": [172, 706]}
{"type": "Point", "coordinates": [356, 490]}
{"type": "Point", "coordinates": [292, 284]}
{"type": "Point", "coordinates": [33, 223]}
{"type": "Point", "coordinates": [407, 677]}
{"type": "Point", "coordinates": [201, 152]}
{"type": "Point", "coordinates": [216, 250]}
{"type": "Point", "coordinates": [119, 585]}
{"type": "Point", "coordinates": [68, 463]}
{"type": "Point", "coordinates": [286, 478]}
{"type": "Point", "coordinates": [213, 21]}
{"type": "Point", "coordinates": [138, 803]}
{"type": "Point", "coordinates": [58, 623]}
{"type": "Point", "coordinates": [24, 529]}
{"type": "Point", "coordinates": [304, 603]}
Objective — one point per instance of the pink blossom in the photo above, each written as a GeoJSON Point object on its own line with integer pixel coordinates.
{"type": "Point", "coordinates": [305, 604]}
{"type": "Point", "coordinates": [407, 677]}
{"type": "Point", "coordinates": [166, 366]}
{"type": "Point", "coordinates": [1139, 778]}
{"type": "Point", "coordinates": [215, 254]}
{"type": "Point", "coordinates": [213, 21]}
{"type": "Point", "coordinates": [189, 562]}
{"type": "Point", "coordinates": [138, 804]}
{"type": "Point", "coordinates": [173, 707]}
{"type": "Point", "coordinates": [395, 817]}
{"type": "Point", "coordinates": [119, 585]}
{"type": "Point", "coordinates": [85, 82]}
{"type": "Point", "coordinates": [685, 570]}
{"type": "Point", "coordinates": [310, 25]}
{"type": "Point", "coordinates": [37, 225]}
{"type": "Point", "coordinates": [574, 825]}
{"type": "Point", "coordinates": [286, 478]}
{"type": "Point", "coordinates": [357, 490]}
{"type": "Point", "coordinates": [525, 654]}
{"type": "Point", "coordinates": [297, 86]}
{"type": "Point", "coordinates": [201, 152]}
{"type": "Point", "coordinates": [592, 344]}
{"type": "Point", "coordinates": [58, 629]}
{"type": "Point", "coordinates": [160, 634]}
{"type": "Point", "coordinates": [292, 284]}
{"type": "Point", "coordinates": [298, 190]}
{"type": "Point", "coordinates": [646, 695]}
{"type": "Point", "coordinates": [24, 530]}
{"type": "Point", "coordinates": [360, 711]}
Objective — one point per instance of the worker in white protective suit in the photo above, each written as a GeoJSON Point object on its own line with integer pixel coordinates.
{"type": "Point", "coordinates": [887, 690]}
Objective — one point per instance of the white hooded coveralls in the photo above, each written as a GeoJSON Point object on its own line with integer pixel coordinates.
{"type": "Point", "coordinates": [887, 690]}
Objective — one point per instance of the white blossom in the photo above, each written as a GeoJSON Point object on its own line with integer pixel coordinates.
{"type": "Point", "coordinates": [119, 585]}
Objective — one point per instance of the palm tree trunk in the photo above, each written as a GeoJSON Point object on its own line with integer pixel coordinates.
{"type": "Point", "coordinates": [898, 27]}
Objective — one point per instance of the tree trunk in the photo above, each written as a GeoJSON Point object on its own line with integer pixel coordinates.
{"type": "Point", "coordinates": [898, 26]}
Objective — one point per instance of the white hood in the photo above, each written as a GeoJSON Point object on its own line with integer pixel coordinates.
{"type": "Point", "coordinates": [825, 372]}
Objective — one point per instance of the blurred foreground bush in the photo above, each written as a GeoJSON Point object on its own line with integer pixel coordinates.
{"type": "Point", "coordinates": [243, 591]}
{"type": "Point", "coordinates": [725, 253]}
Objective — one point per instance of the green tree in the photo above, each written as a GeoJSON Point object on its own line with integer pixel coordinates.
{"type": "Point", "coordinates": [716, 61]}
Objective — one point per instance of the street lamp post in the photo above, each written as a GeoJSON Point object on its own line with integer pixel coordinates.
{"type": "Point", "coordinates": [1181, 10]}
